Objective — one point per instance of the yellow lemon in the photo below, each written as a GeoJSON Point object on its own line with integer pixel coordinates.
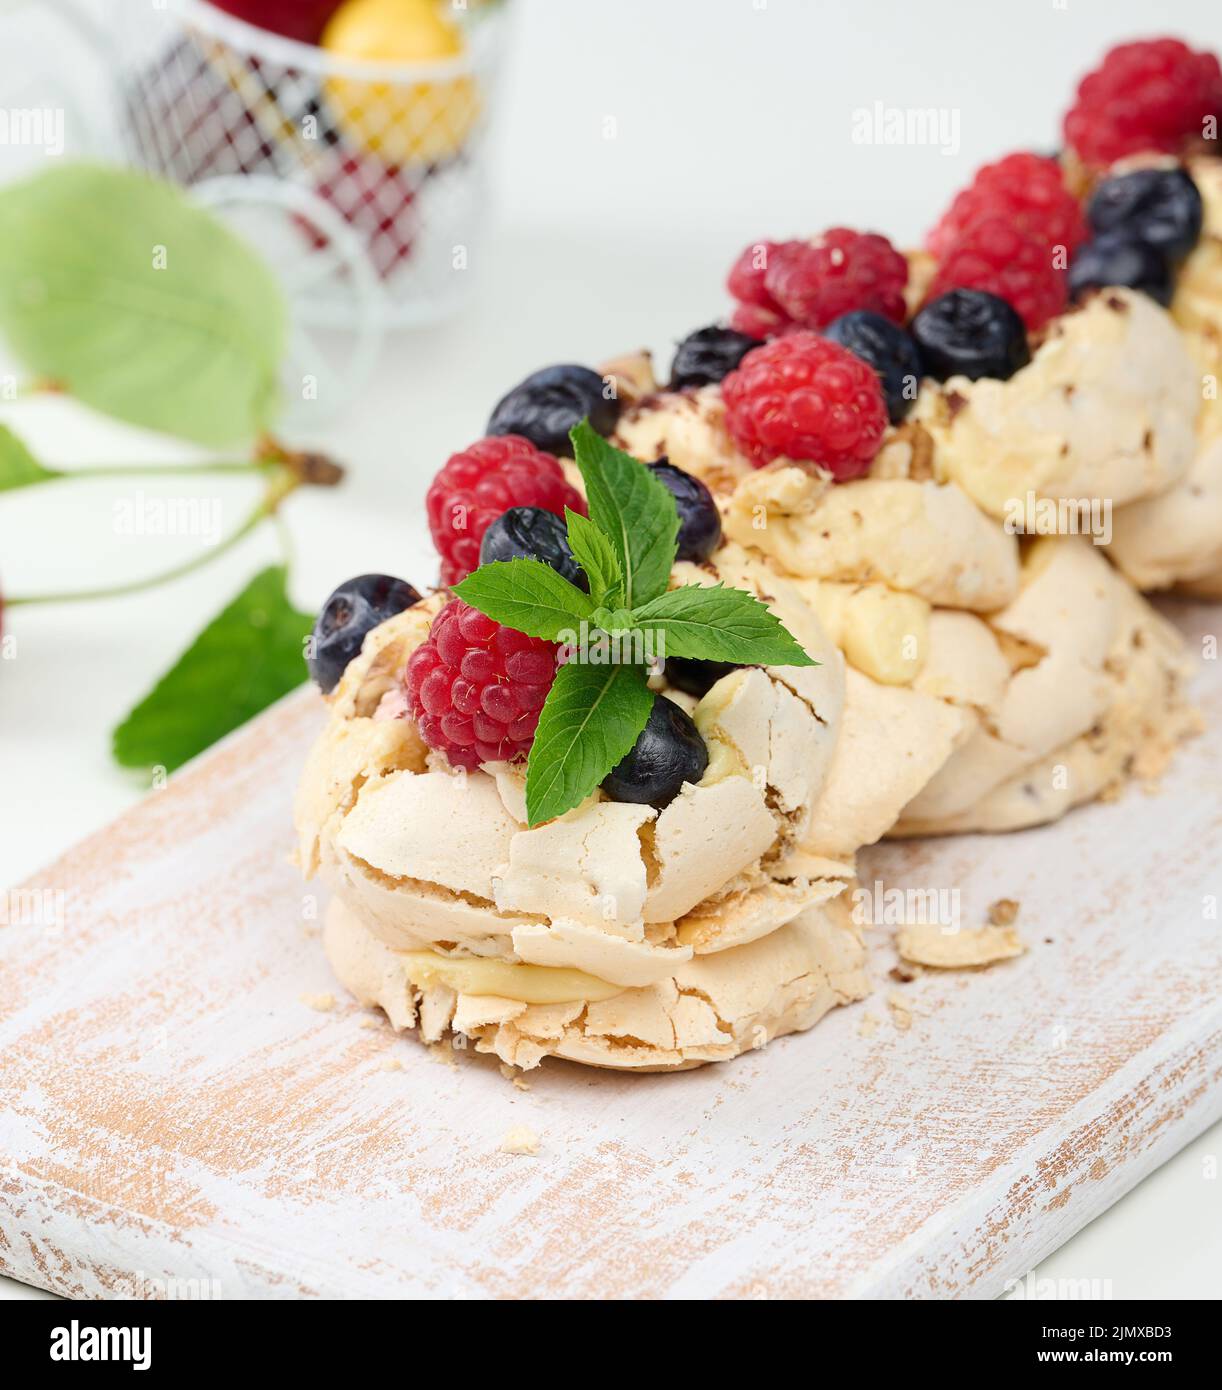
{"type": "Point", "coordinates": [401, 122]}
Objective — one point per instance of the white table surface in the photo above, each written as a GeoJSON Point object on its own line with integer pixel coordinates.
{"type": "Point", "coordinates": [733, 121]}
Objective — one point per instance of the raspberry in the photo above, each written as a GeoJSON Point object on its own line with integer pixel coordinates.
{"type": "Point", "coordinates": [779, 284]}
{"type": "Point", "coordinates": [815, 282]}
{"type": "Point", "coordinates": [746, 279]}
{"type": "Point", "coordinates": [476, 688]}
{"type": "Point", "coordinates": [477, 485]}
{"type": "Point", "coordinates": [1025, 189]}
{"type": "Point", "coordinates": [808, 399]}
{"type": "Point", "coordinates": [1151, 95]}
{"type": "Point", "coordinates": [995, 256]}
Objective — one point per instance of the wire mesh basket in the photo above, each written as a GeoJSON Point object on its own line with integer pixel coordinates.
{"type": "Point", "coordinates": [328, 160]}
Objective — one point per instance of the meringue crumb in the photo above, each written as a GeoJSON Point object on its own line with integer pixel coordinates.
{"type": "Point", "coordinates": [930, 945]}
{"type": "Point", "coordinates": [443, 1052]}
{"type": "Point", "coordinates": [1003, 913]}
{"type": "Point", "coordinates": [369, 1021]}
{"type": "Point", "coordinates": [390, 1064]}
{"type": "Point", "coordinates": [867, 1026]}
{"type": "Point", "coordinates": [521, 1139]}
{"type": "Point", "coordinates": [320, 1003]}
{"type": "Point", "coordinates": [903, 973]}
{"type": "Point", "coordinates": [511, 1073]}
{"type": "Point", "coordinates": [901, 1014]}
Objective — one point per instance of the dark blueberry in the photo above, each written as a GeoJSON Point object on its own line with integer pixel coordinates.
{"type": "Point", "coordinates": [1115, 259]}
{"type": "Point", "coordinates": [354, 609]}
{"type": "Point", "coordinates": [530, 533]}
{"type": "Point", "coordinates": [888, 349]}
{"type": "Point", "coordinates": [699, 519]}
{"type": "Point", "coordinates": [668, 752]}
{"type": "Point", "coordinates": [550, 402]}
{"type": "Point", "coordinates": [709, 354]}
{"type": "Point", "coordinates": [696, 677]}
{"type": "Point", "coordinates": [970, 333]}
{"type": "Point", "coordinates": [1158, 206]}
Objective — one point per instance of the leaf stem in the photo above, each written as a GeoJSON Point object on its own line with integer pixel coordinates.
{"type": "Point", "coordinates": [136, 470]}
{"type": "Point", "coordinates": [283, 481]}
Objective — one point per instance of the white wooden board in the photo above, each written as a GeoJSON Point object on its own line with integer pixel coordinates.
{"type": "Point", "coordinates": [170, 1109]}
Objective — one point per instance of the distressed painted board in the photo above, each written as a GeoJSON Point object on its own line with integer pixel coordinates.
{"type": "Point", "coordinates": [171, 1109]}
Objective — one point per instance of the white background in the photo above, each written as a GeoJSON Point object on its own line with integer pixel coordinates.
{"type": "Point", "coordinates": [732, 120]}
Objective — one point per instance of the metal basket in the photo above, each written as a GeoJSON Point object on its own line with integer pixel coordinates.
{"type": "Point", "coordinates": [327, 162]}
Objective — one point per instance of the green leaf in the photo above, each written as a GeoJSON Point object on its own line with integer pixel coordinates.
{"type": "Point", "coordinates": [527, 595]}
{"type": "Point", "coordinates": [719, 624]}
{"type": "Point", "coordinates": [596, 556]}
{"type": "Point", "coordinates": [19, 467]}
{"type": "Point", "coordinates": [140, 304]}
{"type": "Point", "coordinates": [632, 509]}
{"type": "Point", "coordinates": [248, 656]}
{"type": "Point", "coordinates": [590, 720]}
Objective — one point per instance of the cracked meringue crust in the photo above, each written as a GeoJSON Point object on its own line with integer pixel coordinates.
{"type": "Point", "coordinates": [1105, 409]}
{"type": "Point", "coordinates": [710, 1009]}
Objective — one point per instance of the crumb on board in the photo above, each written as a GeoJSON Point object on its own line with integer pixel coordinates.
{"type": "Point", "coordinates": [369, 1021]}
{"type": "Point", "coordinates": [901, 1014]}
{"type": "Point", "coordinates": [521, 1139]}
{"type": "Point", "coordinates": [513, 1074]}
{"type": "Point", "coordinates": [1003, 913]}
{"type": "Point", "coordinates": [443, 1052]}
{"type": "Point", "coordinates": [959, 950]}
{"type": "Point", "coordinates": [903, 973]}
{"type": "Point", "coordinates": [867, 1025]}
{"type": "Point", "coordinates": [391, 1064]}
{"type": "Point", "coordinates": [320, 1003]}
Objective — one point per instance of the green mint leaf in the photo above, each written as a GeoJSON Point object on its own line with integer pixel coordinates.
{"type": "Point", "coordinates": [596, 556]}
{"type": "Point", "coordinates": [719, 624]}
{"type": "Point", "coordinates": [248, 656]}
{"type": "Point", "coordinates": [632, 509]}
{"type": "Point", "coordinates": [590, 720]}
{"type": "Point", "coordinates": [527, 595]}
{"type": "Point", "coordinates": [19, 467]}
{"type": "Point", "coordinates": [159, 316]}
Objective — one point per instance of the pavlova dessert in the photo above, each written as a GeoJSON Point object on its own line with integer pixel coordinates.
{"type": "Point", "coordinates": [866, 563]}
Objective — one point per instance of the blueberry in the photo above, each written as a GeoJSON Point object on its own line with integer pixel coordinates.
{"type": "Point", "coordinates": [699, 519]}
{"type": "Point", "coordinates": [1158, 206]}
{"type": "Point", "coordinates": [970, 333]}
{"type": "Point", "coordinates": [1116, 259]}
{"type": "Point", "coordinates": [695, 677]}
{"type": "Point", "coordinates": [709, 354]}
{"type": "Point", "coordinates": [531, 533]}
{"type": "Point", "coordinates": [888, 349]}
{"type": "Point", "coordinates": [668, 752]}
{"type": "Point", "coordinates": [354, 609]}
{"type": "Point", "coordinates": [550, 402]}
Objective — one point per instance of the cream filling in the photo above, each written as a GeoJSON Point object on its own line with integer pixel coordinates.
{"type": "Point", "coordinates": [528, 984]}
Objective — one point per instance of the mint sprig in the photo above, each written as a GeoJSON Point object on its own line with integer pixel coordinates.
{"type": "Point", "coordinates": [626, 547]}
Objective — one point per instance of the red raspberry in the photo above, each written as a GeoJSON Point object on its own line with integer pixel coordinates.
{"type": "Point", "coordinates": [479, 484]}
{"type": "Point", "coordinates": [807, 399]}
{"type": "Point", "coordinates": [1026, 189]}
{"type": "Point", "coordinates": [809, 283]}
{"type": "Point", "coordinates": [1150, 95]}
{"type": "Point", "coordinates": [476, 688]}
{"type": "Point", "coordinates": [995, 256]}
{"type": "Point", "coordinates": [815, 282]}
